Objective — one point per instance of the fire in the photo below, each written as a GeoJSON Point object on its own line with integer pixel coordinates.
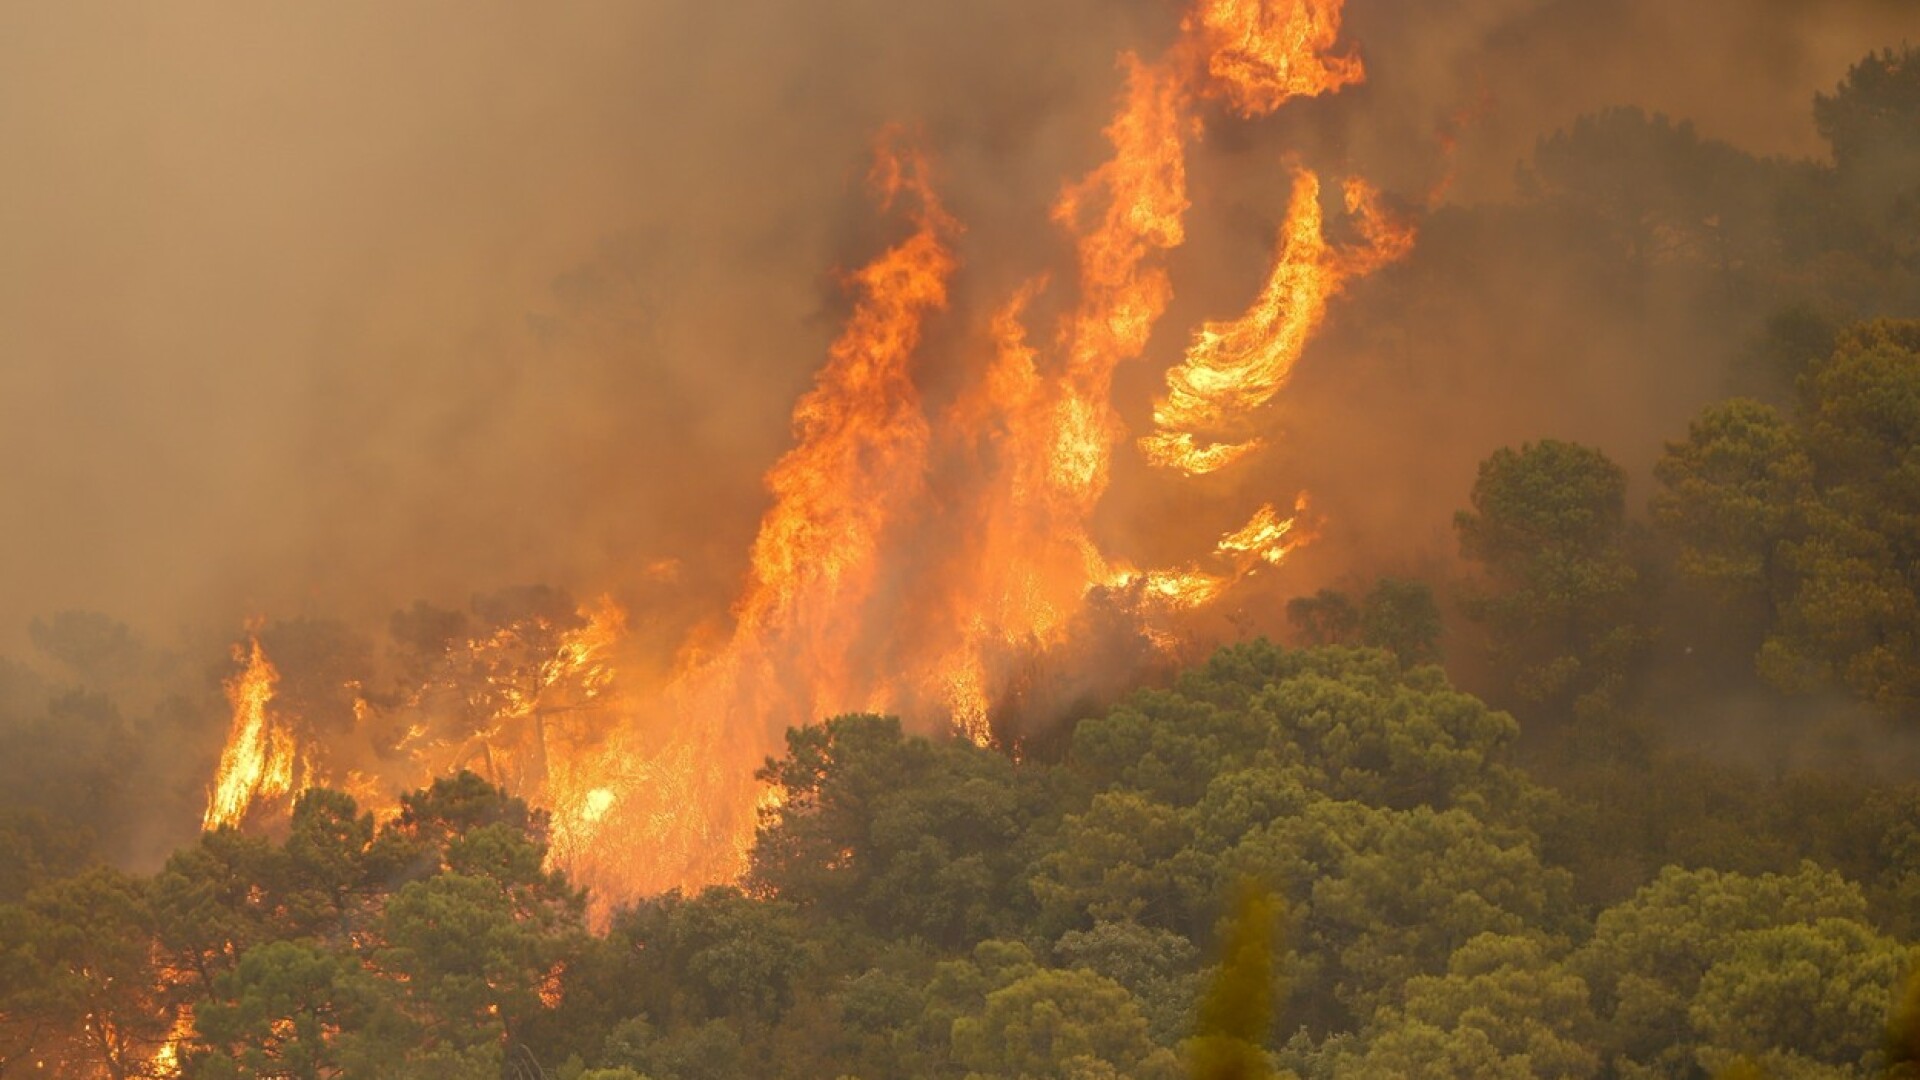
{"type": "Point", "coordinates": [857, 470]}
{"type": "Point", "coordinates": [1263, 53]}
{"type": "Point", "coordinates": [916, 555]}
{"type": "Point", "coordinates": [260, 758]}
{"type": "Point", "coordinates": [166, 1061]}
{"type": "Point", "coordinates": [507, 707]}
{"type": "Point", "coordinates": [1233, 368]}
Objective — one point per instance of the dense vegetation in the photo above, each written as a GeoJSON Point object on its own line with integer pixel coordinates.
{"type": "Point", "coordinates": [927, 908]}
{"type": "Point", "coordinates": [1668, 836]}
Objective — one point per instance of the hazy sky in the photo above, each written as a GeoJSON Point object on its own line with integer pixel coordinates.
{"type": "Point", "coordinates": [325, 307]}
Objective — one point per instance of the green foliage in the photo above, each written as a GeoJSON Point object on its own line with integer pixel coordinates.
{"type": "Point", "coordinates": [1665, 193]}
{"type": "Point", "coordinates": [1342, 723]}
{"type": "Point", "coordinates": [914, 836]}
{"type": "Point", "coordinates": [36, 847]}
{"type": "Point", "coordinates": [1679, 972]}
{"type": "Point", "coordinates": [1328, 617]}
{"type": "Point", "coordinates": [1375, 799]}
{"type": "Point", "coordinates": [1403, 618]}
{"type": "Point", "coordinates": [1383, 895]}
{"type": "Point", "coordinates": [1155, 965]}
{"type": "Point", "coordinates": [1504, 1008]}
{"type": "Point", "coordinates": [1734, 492]}
{"type": "Point", "coordinates": [78, 958]}
{"type": "Point", "coordinates": [718, 954]}
{"type": "Point", "coordinates": [1872, 119]}
{"type": "Point", "coordinates": [1853, 614]}
{"type": "Point", "coordinates": [1548, 526]}
{"type": "Point", "coordinates": [1809, 530]}
{"type": "Point", "coordinates": [1230, 1029]}
{"type": "Point", "coordinates": [930, 909]}
{"type": "Point", "coordinates": [1060, 1024]}
{"type": "Point", "coordinates": [283, 1010]}
{"type": "Point", "coordinates": [1815, 993]}
{"type": "Point", "coordinates": [709, 1051]}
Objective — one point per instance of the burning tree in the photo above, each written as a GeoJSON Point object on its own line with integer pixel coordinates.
{"type": "Point", "coordinates": [650, 785]}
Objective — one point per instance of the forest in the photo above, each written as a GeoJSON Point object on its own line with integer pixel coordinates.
{"type": "Point", "coordinates": [1630, 790]}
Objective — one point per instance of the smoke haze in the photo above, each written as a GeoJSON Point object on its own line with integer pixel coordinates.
{"type": "Point", "coordinates": [320, 310]}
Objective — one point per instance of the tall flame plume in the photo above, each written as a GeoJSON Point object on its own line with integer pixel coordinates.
{"type": "Point", "coordinates": [916, 555]}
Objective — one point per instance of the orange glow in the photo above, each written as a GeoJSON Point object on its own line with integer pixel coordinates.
{"type": "Point", "coordinates": [672, 802]}
{"type": "Point", "coordinates": [1234, 368]}
{"type": "Point", "coordinates": [915, 558]}
{"type": "Point", "coordinates": [260, 758]}
{"type": "Point", "coordinates": [1262, 53]}
{"type": "Point", "coordinates": [508, 739]}
{"type": "Point", "coordinates": [166, 1060]}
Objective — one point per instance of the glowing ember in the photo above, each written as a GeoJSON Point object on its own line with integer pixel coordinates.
{"type": "Point", "coordinates": [166, 1060]}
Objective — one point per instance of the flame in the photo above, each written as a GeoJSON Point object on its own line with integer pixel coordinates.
{"type": "Point", "coordinates": [862, 443]}
{"type": "Point", "coordinates": [166, 1060]}
{"type": "Point", "coordinates": [914, 556]}
{"type": "Point", "coordinates": [1260, 54]}
{"type": "Point", "coordinates": [1234, 368]}
{"type": "Point", "coordinates": [266, 757]}
{"type": "Point", "coordinates": [1267, 537]}
{"type": "Point", "coordinates": [682, 809]}
{"type": "Point", "coordinates": [260, 758]}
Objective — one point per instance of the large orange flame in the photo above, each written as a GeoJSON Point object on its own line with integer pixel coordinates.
{"type": "Point", "coordinates": [1235, 367]}
{"type": "Point", "coordinates": [676, 801]}
{"type": "Point", "coordinates": [260, 758]}
{"type": "Point", "coordinates": [915, 559]}
{"type": "Point", "coordinates": [1260, 54]}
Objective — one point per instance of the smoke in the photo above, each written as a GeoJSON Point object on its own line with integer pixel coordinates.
{"type": "Point", "coordinates": [314, 311]}
{"type": "Point", "coordinates": [326, 308]}
{"type": "Point", "coordinates": [1513, 320]}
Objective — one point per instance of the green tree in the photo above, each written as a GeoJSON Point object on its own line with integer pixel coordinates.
{"type": "Point", "coordinates": [905, 834]}
{"type": "Point", "coordinates": [1649, 956]}
{"type": "Point", "coordinates": [709, 1051]}
{"type": "Point", "coordinates": [1548, 527]}
{"type": "Point", "coordinates": [1383, 895]}
{"type": "Point", "coordinates": [1156, 966]}
{"type": "Point", "coordinates": [1663, 193]}
{"type": "Point", "coordinates": [82, 951]}
{"type": "Point", "coordinates": [1503, 1008]}
{"type": "Point", "coordinates": [209, 906]}
{"type": "Point", "coordinates": [720, 954]}
{"type": "Point", "coordinates": [285, 1009]}
{"type": "Point", "coordinates": [36, 847]}
{"type": "Point", "coordinates": [1735, 492]}
{"type": "Point", "coordinates": [1786, 997]}
{"type": "Point", "coordinates": [1060, 1024]}
{"type": "Point", "coordinates": [1853, 614]}
{"type": "Point", "coordinates": [101, 652]}
{"type": "Point", "coordinates": [1328, 617]}
{"type": "Point", "coordinates": [1230, 1030]}
{"type": "Point", "coordinates": [1402, 618]}
{"type": "Point", "coordinates": [1346, 723]}
{"type": "Point", "coordinates": [1872, 122]}
{"type": "Point", "coordinates": [1127, 858]}
{"type": "Point", "coordinates": [473, 947]}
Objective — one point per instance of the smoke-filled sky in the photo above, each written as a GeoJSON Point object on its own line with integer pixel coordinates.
{"type": "Point", "coordinates": [327, 307]}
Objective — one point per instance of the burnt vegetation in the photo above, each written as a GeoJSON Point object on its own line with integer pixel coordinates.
{"type": "Point", "coordinates": [1626, 792]}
